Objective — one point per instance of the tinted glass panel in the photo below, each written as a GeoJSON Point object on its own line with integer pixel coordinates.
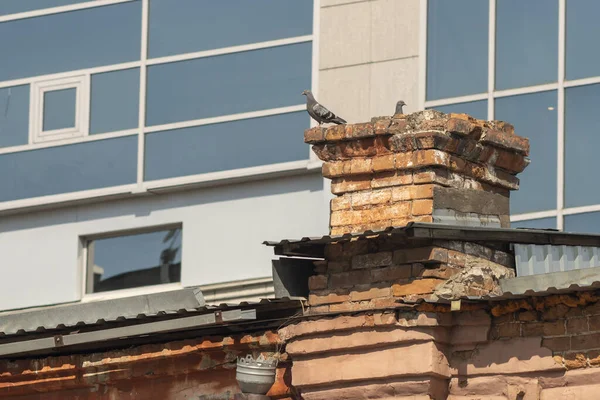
{"type": "Point", "coordinates": [17, 6]}
{"type": "Point", "coordinates": [534, 117]}
{"type": "Point", "coordinates": [70, 41]}
{"type": "Point", "coordinates": [135, 260]}
{"type": "Point", "coordinates": [582, 126]}
{"type": "Point", "coordinates": [583, 223]}
{"type": "Point", "coordinates": [457, 59]}
{"type": "Point", "coordinates": [115, 101]}
{"type": "Point", "coordinates": [582, 27]}
{"type": "Point", "coordinates": [59, 109]}
{"type": "Point", "coordinates": [526, 42]}
{"type": "Point", "coordinates": [63, 169]}
{"type": "Point", "coordinates": [477, 109]}
{"type": "Point", "coordinates": [228, 84]}
{"type": "Point", "coordinates": [540, 223]}
{"type": "Point", "coordinates": [14, 116]}
{"type": "Point", "coordinates": [184, 26]}
{"type": "Point", "coordinates": [229, 145]}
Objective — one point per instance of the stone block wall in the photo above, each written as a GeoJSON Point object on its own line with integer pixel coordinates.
{"type": "Point", "coordinates": [426, 166]}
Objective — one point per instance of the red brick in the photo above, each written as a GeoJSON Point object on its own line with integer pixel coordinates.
{"type": "Point", "coordinates": [384, 163]}
{"type": "Point", "coordinates": [396, 178]}
{"type": "Point", "coordinates": [371, 293]}
{"type": "Point", "coordinates": [372, 260]}
{"type": "Point", "coordinates": [341, 203]}
{"type": "Point", "coordinates": [361, 130]}
{"type": "Point", "coordinates": [457, 258]}
{"type": "Point", "coordinates": [314, 135]}
{"type": "Point", "coordinates": [393, 273]}
{"type": "Point", "coordinates": [317, 282]}
{"type": "Point", "coordinates": [338, 266]}
{"type": "Point", "coordinates": [463, 128]}
{"type": "Point", "coordinates": [419, 286]}
{"type": "Point", "coordinates": [527, 316]}
{"type": "Point", "coordinates": [348, 279]}
{"type": "Point", "coordinates": [334, 133]}
{"type": "Point", "coordinates": [555, 312]}
{"type": "Point", "coordinates": [594, 357]}
{"type": "Point", "coordinates": [422, 207]}
{"type": "Point", "coordinates": [427, 158]}
{"type": "Point", "coordinates": [333, 169]}
{"type": "Point", "coordinates": [442, 271]}
{"type": "Point", "coordinates": [381, 126]}
{"type": "Point", "coordinates": [331, 298]}
{"type": "Point", "coordinates": [504, 140]}
{"type": "Point", "coordinates": [509, 330]}
{"type": "Point", "coordinates": [577, 325]}
{"type": "Point", "coordinates": [350, 184]}
{"type": "Point", "coordinates": [421, 254]}
{"type": "Point", "coordinates": [360, 199]}
{"type": "Point", "coordinates": [594, 323]}
{"type": "Point", "coordinates": [585, 342]}
{"type": "Point", "coordinates": [398, 126]}
{"type": "Point", "coordinates": [557, 344]}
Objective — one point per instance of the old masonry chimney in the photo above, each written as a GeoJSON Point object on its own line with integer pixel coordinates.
{"type": "Point", "coordinates": [425, 167]}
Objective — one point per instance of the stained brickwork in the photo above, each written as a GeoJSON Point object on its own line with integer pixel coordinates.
{"type": "Point", "coordinates": [391, 171]}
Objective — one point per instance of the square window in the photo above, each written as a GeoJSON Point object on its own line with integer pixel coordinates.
{"type": "Point", "coordinates": [59, 109]}
{"type": "Point", "coordinates": [125, 261]}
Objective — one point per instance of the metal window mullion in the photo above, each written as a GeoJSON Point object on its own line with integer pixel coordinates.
{"type": "Point", "coordinates": [142, 98]}
{"type": "Point", "coordinates": [560, 164]}
{"type": "Point", "coordinates": [491, 58]}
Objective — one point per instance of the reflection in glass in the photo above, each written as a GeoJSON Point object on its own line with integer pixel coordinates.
{"type": "Point", "coordinates": [131, 261]}
{"type": "Point", "coordinates": [582, 30]}
{"type": "Point", "coordinates": [224, 146]}
{"type": "Point", "coordinates": [14, 116]}
{"type": "Point", "coordinates": [228, 84]}
{"type": "Point", "coordinates": [457, 59]}
{"type": "Point", "coordinates": [114, 101]}
{"type": "Point", "coordinates": [526, 43]}
{"type": "Point", "coordinates": [583, 223]}
{"type": "Point", "coordinates": [582, 141]}
{"type": "Point", "coordinates": [72, 40]}
{"type": "Point", "coordinates": [534, 117]}
{"type": "Point", "coordinates": [18, 6]}
{"type": "Point", "coordinates": [59, 109]}
{"type": "Point", "coordinates": [540, 223]}
{"type": "Point", "coordinates": [477, 109]}
{"type": "Point", "coordinates": [184, 26]}
{"type": "Point", "coordinates": [71, 168]}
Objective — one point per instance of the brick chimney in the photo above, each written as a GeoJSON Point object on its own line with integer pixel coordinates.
{"type": "Point", "coordinates": [427, 166]}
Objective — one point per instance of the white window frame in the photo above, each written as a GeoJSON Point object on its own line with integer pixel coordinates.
{"type": "Point", "coordinates": [87, 254]}
{"type": "Point", "coordinates": [81, 84]}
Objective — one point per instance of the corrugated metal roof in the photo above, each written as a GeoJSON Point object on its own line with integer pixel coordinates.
{"type": "Point", "coordinates": [120, 312]}
{"type": "Point", "coordinates": [314, 246]}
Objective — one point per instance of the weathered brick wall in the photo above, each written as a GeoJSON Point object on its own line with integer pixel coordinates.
{"type": "Point", "coordinates": [539, 348]}
{"type": "Point", "coordinates": [192, 369]}
{"type": "Point", "coordinates": [408, 168]}
{"type": "Point", "coordinates": [377, 273]}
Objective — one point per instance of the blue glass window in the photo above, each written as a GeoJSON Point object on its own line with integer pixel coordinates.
{"type": "Point", "coordinates": [184, 26]}
{"type": "Point", "coordinates": [115, 101]}
{"type": "Point", "coordinates": [17, 6]}
{"type": "Point", "coordinates": [59, 109]}
{"type": "Point", "coordinates": [583, 58]}
{"type": "Point", "coordinates": [540, 223]}
{"type": "Point", "coordinates": [581, 143]}
{"type": "Point", "coordinates": [477, 109]}
{"type": "Point", "coordinates": [457, 48]}
{"type": "Point", "coordinates": [14, 116]}
{"type": "Point", "coordinates": [70, 41]}
{"type": "Point", "coordinates": [64, 169]}
{"type": "Point", "coordinates": [228, 84]}
{"type": "Point", "coordinates": [526, 43]}
{"type": "Point", "coordinates": [229, 145]}
{"type": "Point", "coordinates": [583, 223]}
{"type": "Point", "coordinates": [534, 117]}
{"type": "Point", "coordinates": [138, 260]}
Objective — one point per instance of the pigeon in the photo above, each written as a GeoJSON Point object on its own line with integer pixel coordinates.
{"type": "Point", "coordinates": [318, 112]}
{"type": "Point", "coordinates": [399, 106]}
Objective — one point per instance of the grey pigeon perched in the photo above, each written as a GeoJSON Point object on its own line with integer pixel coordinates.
{"type": "Point", "coordinates": [318, 112]}
{"type": "Point", "coordinates": [399, 106]}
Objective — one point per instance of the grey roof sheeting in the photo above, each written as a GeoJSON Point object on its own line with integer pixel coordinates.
{"type": "Point", "coordinates": [314, 246]}
{"type": "Point", "coordinates": [123, 311]}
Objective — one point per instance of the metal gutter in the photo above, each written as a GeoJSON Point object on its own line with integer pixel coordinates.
{"type": "Point", "coordinates": [59, 341]}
